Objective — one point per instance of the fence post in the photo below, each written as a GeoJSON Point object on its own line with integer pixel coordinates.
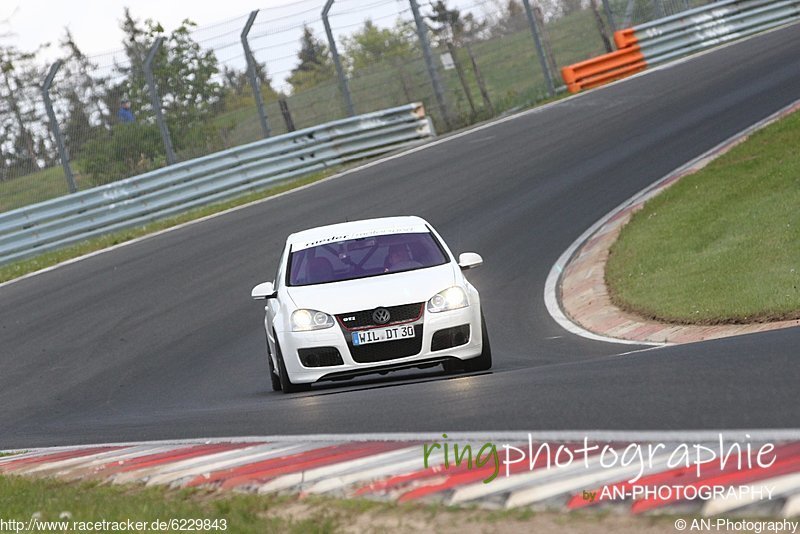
{"type": "Point", "coordinates": [251, 74]}
{"type": "Point", "coordinates": [460, 71]}
{"type": "Point", "coordinates": [628, 19]}
{"type": "Point", "coordinates": [422, 32]}
{"type": "Point", "coordinates": [155, 100]}
{"type": "Point", "coordinates": [548, 76]}
{"type": "Point", "coordinates": [487, 102]}
{"type": "Point", "coordinates": [62, 149]}
{"type": "Point", "coordinates": [287, 116]}
{"type": "Point", "coordinates": [337, 62]}
{"type": "Point", "coordinates": [609, 16]}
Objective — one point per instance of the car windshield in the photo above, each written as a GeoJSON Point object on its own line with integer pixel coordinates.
{"type": "Point", "coordinates": [363, 257]}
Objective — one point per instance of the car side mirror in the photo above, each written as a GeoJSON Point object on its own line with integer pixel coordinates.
{"type": "Point", "coordinates": [469, 260]}
{"type": "Point", "coordinates": [265, 290]}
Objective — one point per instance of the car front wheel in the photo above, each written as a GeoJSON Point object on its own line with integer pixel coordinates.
{"type": "Point", "coordinates": [276, 381]}
{"type": "Point", "coordinates": [483, 362]}
{"type": "Point", "coordinates": [287, 386]}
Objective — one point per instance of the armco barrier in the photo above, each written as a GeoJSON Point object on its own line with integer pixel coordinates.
{"type": "Point", "coordinates": [154, 195]}
{"type": "Point", "coordinates": [671, 37]}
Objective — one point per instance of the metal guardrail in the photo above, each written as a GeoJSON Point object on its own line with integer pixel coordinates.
{"type": "Point", "coordinates": [66, 220]}
{"type": "Point", "coordinates": [668, 38]}
{"type": "Point", "coordinates": [707, 26]}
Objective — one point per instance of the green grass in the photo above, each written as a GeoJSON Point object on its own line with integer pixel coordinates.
{"type": "Point", "coordinates": [32, 188]}
{"type": "Point", "coordinates": [721, 245]}
{"type": "Point", "coordinates": [35, 263]}
{"type": "Point", "coordinates": [52, 499]}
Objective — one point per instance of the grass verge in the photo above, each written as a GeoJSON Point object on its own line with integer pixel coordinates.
{"type": "Point", "coordinates": [721, 245]}
{"type": "Point", "coordinates": [53, 500]}
{"type": "Point", "coordinates": [48, 259]}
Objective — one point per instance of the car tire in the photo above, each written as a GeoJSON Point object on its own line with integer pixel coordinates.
{"type": "Point", "coordinates": [276, 380]}
{"type": "Point", "coordinates": [484, 361]}
{"type": "Point", "coordinates": [287, 386]}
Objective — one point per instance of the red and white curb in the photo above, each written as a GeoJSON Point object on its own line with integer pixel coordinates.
{"type": "Point", "coordinates": [647, 472]}
{"type": "Point", "coordinates": [581, 305]}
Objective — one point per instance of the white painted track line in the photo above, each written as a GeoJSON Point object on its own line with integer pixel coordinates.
{"type": "Point", "coordinates": [342, 482]}
{"type": "Point", "coordinates": [359, 465]}
{"type": "Point", "coordinates": [479, 490]}
{"type": "Point", "coordinates": [781, 485]}
{"type": "Point", "coordinates": [592, 479]}
{"type": "Point", "coordinates": [204, 468]}
{"type": "Point", "coordinates": [66, 463]}
{"type": "Point", "coordinates": [792, 507]}
{"type": "Point", "coordinates": [119, 456]}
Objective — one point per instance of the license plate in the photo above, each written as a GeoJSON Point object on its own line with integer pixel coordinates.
{"type": "Point", "coordinates": [378, 335]}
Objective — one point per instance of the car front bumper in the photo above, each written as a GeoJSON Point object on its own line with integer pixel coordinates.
{"type": "Point", "coordinates": [334, 337]}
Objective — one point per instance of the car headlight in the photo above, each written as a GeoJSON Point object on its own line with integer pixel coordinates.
{"type": "Point", "coordinates": [451, 298]}
{"type": "Point", "coordinates": [303, 320]}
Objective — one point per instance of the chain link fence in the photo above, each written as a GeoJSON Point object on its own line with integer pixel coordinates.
{"type": "Point", "coordinates": [169, 96]}
{"type": "Point", "coordinates": [627, 13]}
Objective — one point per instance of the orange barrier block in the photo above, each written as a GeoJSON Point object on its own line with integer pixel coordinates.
{"type": "Point", "coordinates": [607, 77]}
{"type": "Point", "coordinates": [603, 69]}
{"type": "Point", "coordinates": [625, 38]}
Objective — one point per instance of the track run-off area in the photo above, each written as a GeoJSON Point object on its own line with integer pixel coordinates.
{"type": "Point", "coordinates": [160, 340]}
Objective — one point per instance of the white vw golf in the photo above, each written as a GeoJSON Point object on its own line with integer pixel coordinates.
{"type": "Point", "coordinates": [370, 296]}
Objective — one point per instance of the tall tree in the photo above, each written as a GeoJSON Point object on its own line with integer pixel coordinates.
{"type": "Point", "coordinates": [238, 82]}
{"type": "Point", "coordinates": [24, 148]}
{"type": "Point", "coordinates": [83, 91]}
{"type": "Point", "coordinates": [315, 64]}
{"type": "Point", "coordinates": [185, 73]}
{"type": "Point", "coordinates": [187, 79]}
{"type": "Point", "coordinates": [449, 25]}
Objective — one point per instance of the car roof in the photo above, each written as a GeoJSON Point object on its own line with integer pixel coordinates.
{"type": "Point", "coordinates": [355, 229]}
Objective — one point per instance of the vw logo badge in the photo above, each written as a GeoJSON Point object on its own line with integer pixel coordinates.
{"type": "Point", "coordinates": [381, 316]}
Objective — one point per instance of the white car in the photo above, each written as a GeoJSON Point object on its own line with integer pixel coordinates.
{"type": "Point", "coordinates": [370, 296]}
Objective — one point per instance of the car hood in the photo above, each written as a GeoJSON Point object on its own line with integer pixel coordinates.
{"type": "Point", "coordinates": [372, 292]}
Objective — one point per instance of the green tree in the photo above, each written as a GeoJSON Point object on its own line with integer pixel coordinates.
{"type": "Point", "coordinates": [372, 45]}
{"type": "Point", "coordinates": [186, 76]}
{"type": "Point", "coordinates": [184, 72]}
{"type": "Point", "coordinates": [83, 91]}
{"type": "Point", "coordinates": [23, 147]}
{"type": "Point", "coordinates": [315, 64]}
{"type": "Point", "coordinates": [448, 24]}
{"type": "Point", "coordinates": [237, 82]}
{"type": "Point", "coordinates": [128, 149]}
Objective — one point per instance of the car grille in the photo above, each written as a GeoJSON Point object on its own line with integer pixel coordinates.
{"type": "Point", "coordinates": [363, 319]}
{"type": "Point", "coordinates": [386, 350]}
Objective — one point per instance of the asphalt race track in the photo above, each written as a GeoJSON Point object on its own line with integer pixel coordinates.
{"type": "Point", "coordinates": [160, 339]}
